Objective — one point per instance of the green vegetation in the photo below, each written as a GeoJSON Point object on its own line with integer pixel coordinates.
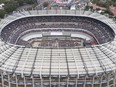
{"type": "Point", "coordinates": [88, 7]}
{"type": "Point", "coordinates": [2, 13]}
{"type": "Point", "coordinates": [45, 4]}
{"type": "Point", "coordinates": [108, 12]}
{"type": "Point", "coordinates": [11, 5]}
{"type": "Point", "coordinates": [104, 3]}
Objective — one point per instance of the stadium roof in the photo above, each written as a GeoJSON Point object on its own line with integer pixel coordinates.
{"type": "Point", "coordinates": [97, 59]}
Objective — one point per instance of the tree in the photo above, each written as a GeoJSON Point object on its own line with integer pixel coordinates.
{"type": "Point", "coordinates": [30, 1]}
{"type": "Point", "coordinates": [91, 7]}
{"type": "Point", "coordinates": [45, 4]}
{"type": "Point", "coordinates": [97, 9]}
{"type": "Point", "coordinates": [86, 8]}
{"type": "Point", "coordinates": [20, 2]}
{"type": "Point", "coordinates": [114, 4]}
{"type": "Point", "coordinates": [2, 13]}
{"type": "Point", "coordinates": [2, 1]}
{"type": "Point", "coordinates": [108, 12]}
{"type": "Point", "coordinates": [10, 6]}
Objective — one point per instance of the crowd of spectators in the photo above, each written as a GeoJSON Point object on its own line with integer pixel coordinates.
{"type": "Point", "coordinates": [11, 32]}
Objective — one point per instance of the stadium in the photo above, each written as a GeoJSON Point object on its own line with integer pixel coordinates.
{"type": "Point", "coordinates": [57, 48]}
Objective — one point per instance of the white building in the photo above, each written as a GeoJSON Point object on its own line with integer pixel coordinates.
{"type": "Point", "coordinates": [2, 6]}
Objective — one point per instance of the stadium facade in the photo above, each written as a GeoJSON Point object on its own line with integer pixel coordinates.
{"type": "Point", "coordinates": [57, 48]}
